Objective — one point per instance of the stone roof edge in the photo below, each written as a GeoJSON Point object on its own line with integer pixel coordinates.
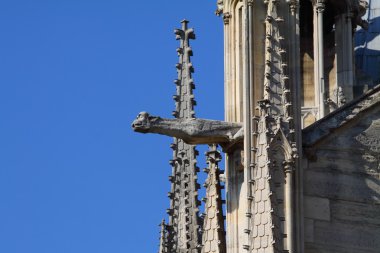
{"type": "Point", "coordinates": [325, 126]}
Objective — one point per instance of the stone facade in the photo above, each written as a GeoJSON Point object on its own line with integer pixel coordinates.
{"type": "Point", "coordinates": [302, 155]}
{"type": "Point", "coordinates": [342, 179]}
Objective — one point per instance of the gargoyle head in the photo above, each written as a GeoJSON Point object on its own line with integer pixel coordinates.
{"type": "Point", "coordinates": [363, 6]}
{"type": "Point", "coordinates": [142, 122]}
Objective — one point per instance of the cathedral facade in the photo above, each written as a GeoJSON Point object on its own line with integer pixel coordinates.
{"type": "Point", "coordinates": [301, 136]}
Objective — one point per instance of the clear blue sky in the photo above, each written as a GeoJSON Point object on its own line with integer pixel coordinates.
{"type": "Point", "coordinates": [74, 177]}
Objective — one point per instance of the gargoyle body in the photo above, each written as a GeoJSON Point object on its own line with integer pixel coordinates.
{"type": "Point", "coordinates": [192, 131]}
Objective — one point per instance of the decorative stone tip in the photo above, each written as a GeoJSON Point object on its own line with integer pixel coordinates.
{"type": "Point", "coordinates": [141, 123]}
{"type": "Point", "coordinates": [184, 23]}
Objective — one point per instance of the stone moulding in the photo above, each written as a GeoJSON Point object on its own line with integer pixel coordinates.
{"type": "Point", "coordinates": [352, 110]}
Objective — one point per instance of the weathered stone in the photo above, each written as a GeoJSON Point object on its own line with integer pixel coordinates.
{"type": "Point", "coordinates": [320, 248]}
{"type": "Point", "coordinates": [342, 186]}
{"type": "Point", "coordinates": [317, 208]}
{"type": "Point", "coordinates": [191, 130]}
{"type": "Point", "coordinates": [309, 230]}
{"type": "Point", "coordinates": [352, 111]}
{"type": "Point", "coordinates": [213, 222]}
{"type": "Point", "coordinates": [345, 161]}
{"type": "Point", "coordinates": [328, 202]}
{"type": "Point", "coordinates": [346, 235]}
{"type": "Point", "coordinates": [355, 212]}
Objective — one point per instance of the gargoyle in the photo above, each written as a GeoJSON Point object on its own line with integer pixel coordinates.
{"type": "Point", "coordinates": [362, 9]}
{"type": "Point", "coordinates": [192, 131]}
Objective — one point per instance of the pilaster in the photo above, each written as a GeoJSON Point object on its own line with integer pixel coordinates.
{"type": "Point", "coordinates": [319, 72]}
{"type": "Point", "coordinates": [345, 58]}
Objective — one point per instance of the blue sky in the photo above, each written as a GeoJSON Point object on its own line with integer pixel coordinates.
{"type": "Point", "coordinates": [74, 177]}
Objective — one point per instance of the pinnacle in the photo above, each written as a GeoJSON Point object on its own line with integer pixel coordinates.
{"type": "Point", "coordinates": [183, 195]}
{"type": "Point", "coordinates": [184, 23]}
{"type": "Point", "coordinates": [213, 219]}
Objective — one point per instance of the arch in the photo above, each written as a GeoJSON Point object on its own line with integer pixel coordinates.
{"type": "Point", "coordinates": [308, 119]}
{"type": "Point", "coordinates": [229, 5]}
{"type": "Point", "coordinates": [281, 143]}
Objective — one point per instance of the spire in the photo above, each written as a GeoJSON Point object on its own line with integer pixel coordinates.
{"type": "Point", "coordinates": [184, 222]}
{"type": "Point", "coordinates": [271, 225]}
{"type": "Point", "coordinates": [163, 237]}
{"type": "Point", "coordinates": [184, 99]}
{"type": "Point", "coordinates": [213, 238]}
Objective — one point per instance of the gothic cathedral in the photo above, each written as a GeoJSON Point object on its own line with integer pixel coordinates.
{"type": "Point", "coordinates": [301, 134]}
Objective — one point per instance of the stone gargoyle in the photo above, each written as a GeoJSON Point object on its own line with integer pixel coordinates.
{"type": "Point", "coordinates": [192, 131]}
{"type": "Point", "coordinates": [362, 9]}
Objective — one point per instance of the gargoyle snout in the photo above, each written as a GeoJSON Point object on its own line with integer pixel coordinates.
{"type": "Point", "coordinates": [135, 124]}
{"type": "Point", "coordinates": [141, 122]}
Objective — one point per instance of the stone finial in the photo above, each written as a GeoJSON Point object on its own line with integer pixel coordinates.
{"type": "Point", "coordinates": [213, 238]}
{"type": "Point", "coordinates": [184, 98]}
{"type": "Point", "coordinates": [163, 238]}
{"type": "Point", "coordinates": [183, 233]}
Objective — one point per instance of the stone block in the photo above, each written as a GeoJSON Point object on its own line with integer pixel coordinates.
{"type": "Point", "coordinates": [317, 208]}
{"type": "Point", "coordinates": [361, 238]}
{"type": "Point", "coordinates": [309, 230]}
{"type": "Point", "coordinates": [358, 161]}
{"type": "Point", "coordinates": [304, 163]}
{"type": "Point", "coordinates": [354, 188]}
{"type": "Point", "coordinates": [355, 212]}
{"type": "Point", "coordinates": [322, 248]}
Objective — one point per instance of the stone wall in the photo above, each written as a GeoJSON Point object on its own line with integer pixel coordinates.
{"type": "Point", "coordinates": [342, 189]}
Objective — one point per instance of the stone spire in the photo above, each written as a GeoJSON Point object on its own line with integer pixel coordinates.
{"type": "Point", "coordinates": [185, 85]}
{"type": "Point", "coordinates": [272, 223]}
{"type": "Point", "coordinates": [184, 222]}
{"type": "Point", "coordinates": [213, 238]}
{"type": "Point", "coordinates": [163, 238]}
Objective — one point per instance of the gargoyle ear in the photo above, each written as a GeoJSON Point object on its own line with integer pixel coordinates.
{"type": "Point", "coordinates": [142, 114]}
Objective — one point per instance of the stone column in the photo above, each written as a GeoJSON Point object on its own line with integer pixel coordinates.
{"type": "Point", "coordinates": [248, 105]}
{"type": "Point", "coordinates": [233, 158]}
{"type": "Point", "coordinates": [294, 6]}
{"type": "Point", "coordinates": [344, 56]}
{"type": "Point", "coordinates": [289, 208]}
{"type": "Point", "coordinates": [227, 65]}
{"type": "Point", "coordinates": [319, 72]}
{"type": "Point", "coordinates": [235, 192]}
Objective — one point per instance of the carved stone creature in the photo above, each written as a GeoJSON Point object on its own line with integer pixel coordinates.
{"type": "Point", "coordinates": [362, 9]}
{"type": "Point", "coordinates": [192, 131]}
{"type": "Point", "coordinates": [219, 10]}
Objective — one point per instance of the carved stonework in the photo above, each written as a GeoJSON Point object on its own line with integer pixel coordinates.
{"type": "Point", "coordinates": [226, 18]}
{"type": "Point", "coordinates": [183, 232]}
{"type": "Point", "coordinates": [362, 9]}
{"type": "Point", "coordinates": [338, 100]}
{"type": "Point", "coordinates": [320, 6]}
{"type": "Point", "coordinates": [341, 117]}
{"type": "Point", "coordinates": [191, 130]}
{"type": "Point", "coordinates": [213, 239]}
{"type": "Point", "coordinates": [284, 186]}
{"type": "Point", "coordinates": [219, 7]}
{"type": "Point", "coordinates": [294, 5]}
{"type": "Point", "coordinates": [163, 238]}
